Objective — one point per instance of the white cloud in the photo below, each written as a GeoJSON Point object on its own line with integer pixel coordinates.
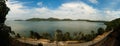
{"type": "Point", "coordinates": [76, 10]}
{"type": "Point", "coordinates": [93, 1]}
{"type": "Point", "coordinates": [17, 10]}
{"type": "Point", "coordinates": [67, 10]}
{"type": "Point", "coordinates": [40, 3]}
{"type": "Point", "coordinates": [110, 15]}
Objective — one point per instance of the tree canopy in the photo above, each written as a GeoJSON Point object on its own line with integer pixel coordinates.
{"type": "Point", "coordinates": [114, 24]}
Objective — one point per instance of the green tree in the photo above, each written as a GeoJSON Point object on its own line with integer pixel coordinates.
{"type": "Point", "coordinates": [80, 36]}
{"type": "Point", "coordinates": [4, 30]}
{"type": "Point", "coordinates": [58, 35]}
{"type": "Point", "coordinates": [32, 34]}
{"type": "Point", "coordinates": [88, 37]}
{"type": "Point", "coordinates": [67, 36]}
{"type": "Point", "coordinates": [100, 31]}
{"type": "Point", "coordinates": [46, 35]}
{"type": "Point", "coordinates": [93, 34]}
{"type": "Point", "coordinates": [114, 24]}
{"type": "Point", "coordinates": [18, 35]}
{"type": "Point", "coordinates": [35, 35]}
{"type": "Point", "coordinates": [75, 36]}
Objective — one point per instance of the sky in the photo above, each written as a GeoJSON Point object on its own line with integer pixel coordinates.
{"type": "Point", "coordinates": [73, 9]}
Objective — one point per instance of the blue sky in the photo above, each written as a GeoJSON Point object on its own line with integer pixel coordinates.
{"type": "Point", "coordinates": [53, 4]}
{"type": "Point", "coordinates": [74, 9]}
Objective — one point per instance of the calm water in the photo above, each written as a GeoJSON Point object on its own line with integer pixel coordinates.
{"type": "Point", "coordinates": [23, 27]}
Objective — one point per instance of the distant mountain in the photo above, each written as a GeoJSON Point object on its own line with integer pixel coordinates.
{"type": "Point", "coordinates": [18, 20]}
{"type": "Point", "coordinates": [57, 19]}
{"type": "Point", "coordinates": [43, 19]}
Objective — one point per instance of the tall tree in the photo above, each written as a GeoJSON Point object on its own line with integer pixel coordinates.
{"type": "Point", "coordinates": [58, 35]}
{"type": "Point", "coordinates": [67, 36]}
{"type": "Point", "coordinates": [100, 31]}
{"type": "Point", "coordinates": [18, 35]}
{"type": "Point", "coordinates": [31, 34]}
{"type": "Point", "coordinates": [46, 35]}
{"type": "Point", "coordinates": [4, 30]}
{"type": "Point", "coordinates": [35, 35]}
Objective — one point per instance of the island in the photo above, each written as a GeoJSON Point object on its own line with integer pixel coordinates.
{"type": "Point", "coordinates": [57, 19]}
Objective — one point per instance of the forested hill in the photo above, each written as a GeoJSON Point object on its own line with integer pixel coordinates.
{"type": "Point", "coordinates": [114, 24]}
{"type": "Point", "coordinates": [57, 19]}
{"type": "Point", "coordinates": [113, 39]}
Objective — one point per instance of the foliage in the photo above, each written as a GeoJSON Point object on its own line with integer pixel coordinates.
{"type": "Point", "coordinates": [35, 35]}
{"type": "Point", "coordinates": [66, 36]}
{"type": "Point", "coordinates": [46, 35]}
{"type": "Point", "coordinates": [58, 35]}
{"type": "Point", "coordinates": [18, 35]}
{"type": "Point", "coordinates": [100, 31]}
{"type": "Point", "coordinates": [114, 24]}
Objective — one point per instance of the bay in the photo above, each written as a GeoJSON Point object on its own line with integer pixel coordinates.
{"type": "Point", "coordinates": [24, 27]}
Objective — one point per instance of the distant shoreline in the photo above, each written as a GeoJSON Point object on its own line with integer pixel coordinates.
{"type": "Point", "coordinates": [56, 19]}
